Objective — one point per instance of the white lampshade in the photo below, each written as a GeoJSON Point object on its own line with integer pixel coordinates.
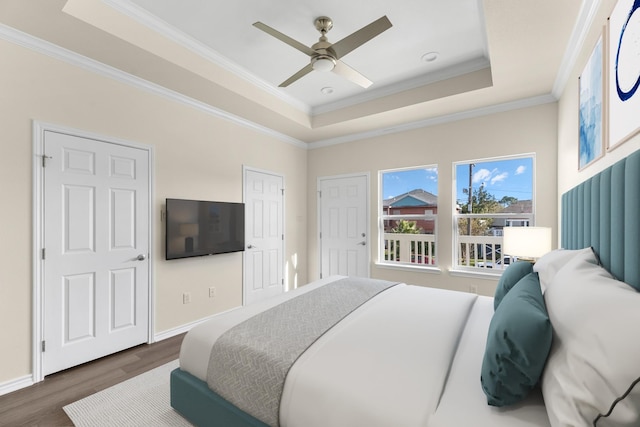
{"type": "Point", "coordinates": [526, 242]}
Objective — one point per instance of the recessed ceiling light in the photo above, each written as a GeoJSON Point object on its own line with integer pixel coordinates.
{"type": "Point", "coordinates": [430, 56]}
{"type": "Point", "coordinates": [327, 90]}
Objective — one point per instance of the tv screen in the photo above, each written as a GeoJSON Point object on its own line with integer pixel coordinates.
{"type": "Point", "coordinates": [198, 228]}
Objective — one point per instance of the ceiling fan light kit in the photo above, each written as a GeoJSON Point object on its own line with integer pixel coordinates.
{"type": "Point", "coordinates": [323, 63]}
{"type": "Point", "coordinates": [325, 56]}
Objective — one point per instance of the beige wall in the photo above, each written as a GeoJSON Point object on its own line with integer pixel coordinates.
{"type": "Point", "coordinates": [529, 130]}
{"type": "Point", "coordinates": [568, 174]}
{"type": "Point", "coordinates": [196, 156]}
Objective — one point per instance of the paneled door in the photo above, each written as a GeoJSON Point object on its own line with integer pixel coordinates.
{"type": "Point", "coordinates": [96, 238]}
{"type": "Point", "coordinates": [264, 235]}
{"type": "Point", "coordinates": [343, 208]}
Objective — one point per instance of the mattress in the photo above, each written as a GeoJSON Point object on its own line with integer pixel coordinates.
{"type": "Point", "coordinates": [411, 356]}
{"type": "Point", "coordinates": [462, 389]}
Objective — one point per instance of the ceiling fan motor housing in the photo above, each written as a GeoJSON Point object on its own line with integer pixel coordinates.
{"type": "Point", "coordinates": [323, 24]}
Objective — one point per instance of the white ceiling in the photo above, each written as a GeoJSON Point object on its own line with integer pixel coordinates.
{"type": "Point", "coordinates": [392, 60]}
{"type": "Point", "coordinates": [494, 55]}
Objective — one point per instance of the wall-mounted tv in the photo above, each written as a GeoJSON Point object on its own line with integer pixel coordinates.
{"type": "Point", "coordinates": [198, 228]}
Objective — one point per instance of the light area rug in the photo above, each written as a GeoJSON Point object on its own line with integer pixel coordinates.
{"type": "Point", "coordinates": [140, 401]}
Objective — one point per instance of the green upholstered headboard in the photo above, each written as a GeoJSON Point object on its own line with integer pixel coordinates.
{"type": "Point", "coordinates": [604, 212]}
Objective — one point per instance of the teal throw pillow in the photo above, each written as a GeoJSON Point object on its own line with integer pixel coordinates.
{"type": "Point", "coordinates": [518, 344]}
{"type": "Point", "coordinates": [509, 278]}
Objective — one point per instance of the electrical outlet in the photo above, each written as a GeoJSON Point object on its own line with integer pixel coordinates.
{"type": "Point", "coordinates": [212, 292]}
{"type": "Point", "coordinates": [186, 298]}
{"type": "Point", "coordinates": [473, 289]}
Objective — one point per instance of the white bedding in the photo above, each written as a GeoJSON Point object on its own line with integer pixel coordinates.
{"type": "Point", "coordinates": [411, 356]}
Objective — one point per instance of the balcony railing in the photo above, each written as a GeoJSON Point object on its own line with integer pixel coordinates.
{"type": "Point", "coordinates": [416, 249]}
{"type": "Point", "coordinates": [481, 252]}
{"type": "Point", "coordinates": [485, 252]}
{"type": "Point", "coordinates": [471, 252]}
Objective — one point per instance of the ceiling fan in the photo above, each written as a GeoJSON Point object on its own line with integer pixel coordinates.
{"type": "Point", "coordinates": [326, 56]}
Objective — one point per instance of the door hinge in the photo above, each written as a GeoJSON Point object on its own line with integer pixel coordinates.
{"type": "Point", "coordinates": [44, 253]}
{"type": "Point", "coordinates": [320, 194]}
{"type": "Point", "coordinates": [321, 234]}
{"type": "Point", "coordinates": [282, 189]}
{"type": "Point", "coordinates": [283, 237]}
{"type": "Point", "coordinates": [44, 345]}
{"type": "Point", "coordinates": [44, 160]}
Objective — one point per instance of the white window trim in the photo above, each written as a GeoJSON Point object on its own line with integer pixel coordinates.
{"type": "Point", "coordinates": [381, 262]}
{"type": "Point", "coordinates": [459, 270]}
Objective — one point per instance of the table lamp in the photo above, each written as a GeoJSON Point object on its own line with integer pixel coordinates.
{"type": "Point", "coordinates": [528, 243]}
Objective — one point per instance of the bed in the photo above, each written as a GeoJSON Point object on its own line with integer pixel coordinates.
{"type": "Point", "coordinates": [553, 348]}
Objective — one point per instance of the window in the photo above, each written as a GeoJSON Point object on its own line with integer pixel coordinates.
{"type": "Point", "coordinates": [490, 194]}
{"type": "Point", "coordinates": [407, 216]}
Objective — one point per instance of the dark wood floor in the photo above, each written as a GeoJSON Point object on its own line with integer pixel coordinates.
{"type": "Point", "coordinates": [41, 404]}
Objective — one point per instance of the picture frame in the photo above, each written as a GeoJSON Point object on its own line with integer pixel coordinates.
{"type": "Point", "coordinates": [591, 122]}
{"type": "Point", "coordinates": [623, 63]}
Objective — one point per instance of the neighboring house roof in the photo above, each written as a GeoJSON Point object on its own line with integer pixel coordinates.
{"type": "Point", "coordinates": [521, 206]}
{"type": "Point", "coordinates": [417, 197]}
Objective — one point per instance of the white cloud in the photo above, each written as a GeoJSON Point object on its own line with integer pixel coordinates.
{"type": "Point", "coordinates": [520, 170]}
{"type": "Point", "coordinates": [499, 178]}
{"type": "Point", "coordinates": [481, 175]}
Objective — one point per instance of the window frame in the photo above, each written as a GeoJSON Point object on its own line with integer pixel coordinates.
{"type": "Point", "coordinates": [530, 218]}
{"type": "Point", "coordinates": [421, 246]}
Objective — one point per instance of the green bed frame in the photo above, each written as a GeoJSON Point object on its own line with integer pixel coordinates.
{"type": "Point", "coordinates": [195, 401]}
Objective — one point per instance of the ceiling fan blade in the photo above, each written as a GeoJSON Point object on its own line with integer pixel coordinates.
{"type": "Point", "coordinates": [303, 72]}
{"type": "Point", "coordinates": [361, 36]}
{"type": "Point", "coordinates": [349, 73]}
{"type": "Point", "coordinates": [283, 37]}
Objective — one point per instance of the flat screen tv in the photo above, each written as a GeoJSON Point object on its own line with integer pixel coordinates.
{"type": "Point", "coordinates": [198, 228]}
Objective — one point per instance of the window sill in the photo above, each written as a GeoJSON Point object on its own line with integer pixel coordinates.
{"type": "Point", "coordinates": [476, 274]}
{"type": "Point", "coordinates": [406, 267]}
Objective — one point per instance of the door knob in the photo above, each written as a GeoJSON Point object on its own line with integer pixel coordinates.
{"type": "Point", "coordinates": [362, 243]}
{"type": "Point", "coordinates": [141, 257]}
{"type": "Point", "coordinates": [252, 247]}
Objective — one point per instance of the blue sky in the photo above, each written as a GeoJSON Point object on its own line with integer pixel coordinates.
{"type": "Point", "coordinates": [510, 177]}
{"type": "Point", "coordinates": [399, 182]}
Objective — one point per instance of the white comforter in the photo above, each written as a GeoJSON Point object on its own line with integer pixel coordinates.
{"type": "Point", "coordinates": [411, 356]}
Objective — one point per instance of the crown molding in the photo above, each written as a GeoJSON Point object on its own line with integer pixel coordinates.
{"type": "Point", "coordinates": [46, 48]}
{"type": "Point", "coordinates": [588, 12]}
{"type": "Point", "coordinates": [414, 83]}
{"type": "Point", "coordinates": [583, 24]}
{"type": "Point", "coordinates": [54, 51]}
{"type": "Point", "coordinates": [433, 121]}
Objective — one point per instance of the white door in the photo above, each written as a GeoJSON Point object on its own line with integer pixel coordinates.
{"type": "Point", "coordinates": [264, 235]}
{"type": "Point", "coordinates": [96, 238]}
{"type": "Point", "coordinates": [343, 206]}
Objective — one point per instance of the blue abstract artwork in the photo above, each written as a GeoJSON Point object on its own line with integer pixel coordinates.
{"type": "Point", "coordinates": [624, 71]}
{"type": "Point", "coordinates": [591, 145]}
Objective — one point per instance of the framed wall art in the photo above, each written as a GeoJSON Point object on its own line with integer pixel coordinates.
{"type": "Point", "coordinates": [590, 108]}
{"type": "Point", "coordinates": [623, 72]}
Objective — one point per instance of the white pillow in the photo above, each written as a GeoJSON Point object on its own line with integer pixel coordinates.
{"type": "Point", "coordinates": [550, 263]}
{"type": "Point", "coordinates": [595, 354]}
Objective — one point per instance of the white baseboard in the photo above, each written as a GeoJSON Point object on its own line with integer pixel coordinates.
{"type": "Point", "coordinates": [27, 380]}
{"type": "Point", "coordinates": [184, 328]}
{"type": "Point", "coordinates": [16, 384]}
